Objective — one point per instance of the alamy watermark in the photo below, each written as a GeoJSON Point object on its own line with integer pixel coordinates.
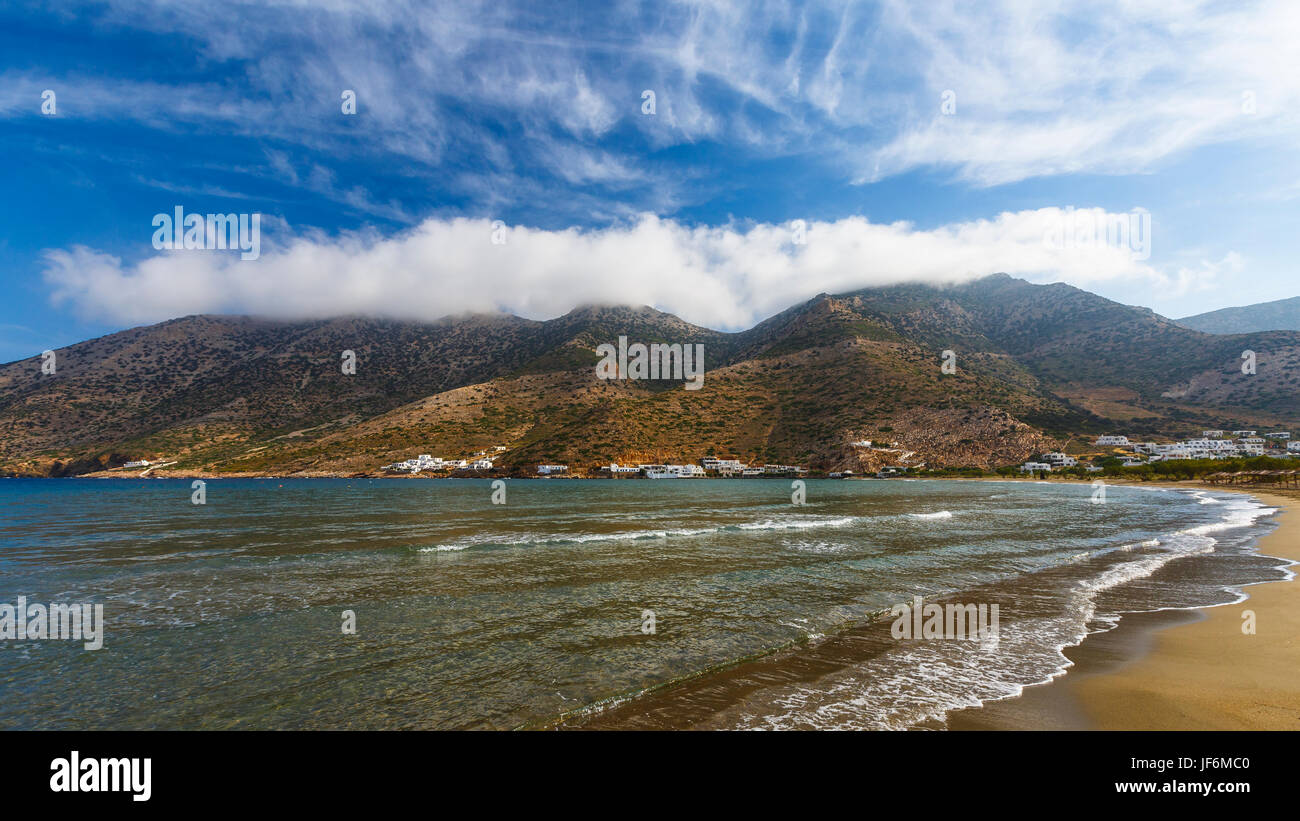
{"type": "Point", "coordinates": [948, 363]}
{"type": "Point", "coordinates": [77, 774]}
{"type": "Point", "coordinates": [1248, 362]}
{"type": "Point", "coordinates": [798, 492]}
{"type": "Point", "coordinates": [211, 232]}
{"type": "Point", "coordinates": [1088, 228]}
{"type": "Point", "coordinates": [56, 622]}
{"type": "Point", "coordinates": [970, 622]}
{"type": "Point", "coordinates": [654, 361]}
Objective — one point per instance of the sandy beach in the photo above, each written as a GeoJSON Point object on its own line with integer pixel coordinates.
{"type": "Point", "coordinates": [1179, 670]}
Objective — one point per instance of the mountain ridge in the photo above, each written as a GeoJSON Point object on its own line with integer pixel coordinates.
{"type": "Point", "coordinates": [1036, 365]}
{"type": "Point", "coordinates": [1278, 315]}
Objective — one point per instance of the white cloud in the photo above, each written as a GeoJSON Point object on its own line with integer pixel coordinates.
{"type": "Point", "coordinates": [725, 277]}
{"type": "Point", "coordinates": [1205, 274]}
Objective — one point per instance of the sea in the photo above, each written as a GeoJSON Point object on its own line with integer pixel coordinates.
{"type": "Point", "coordinates": [688, 603]}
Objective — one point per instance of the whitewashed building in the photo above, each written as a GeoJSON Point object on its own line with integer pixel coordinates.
{"type": "Point", "coordinates": [422, 462]}
{"type": "Point", "coordinates": [778, 470]}
{"type": "Point", "coordinates": [1177, 450]}
{"type": "Point", "coordinates": [672, 471]}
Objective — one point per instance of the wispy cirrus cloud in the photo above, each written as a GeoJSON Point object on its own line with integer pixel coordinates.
{"type": "Point", "coordinates": [1090, 87]}
{"type": "Point", "coordinates": [1103, 86]}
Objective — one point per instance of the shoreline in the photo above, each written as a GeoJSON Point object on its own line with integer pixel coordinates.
{"type": "Point", "coordinates": [1189, 669]}
{"type": "Point", "coordinates": [1052, 704]}
{"type": "Point", "coordinates": [1132, 676]}
{"type": "Point", "coordinates": [1109, 480]}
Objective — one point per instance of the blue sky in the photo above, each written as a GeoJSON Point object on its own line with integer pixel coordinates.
{"type": "Point", "coordinates": [765, 114]}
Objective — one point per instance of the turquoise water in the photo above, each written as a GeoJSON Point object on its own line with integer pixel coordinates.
{"type": "Point", "coordinates": [476, 615]}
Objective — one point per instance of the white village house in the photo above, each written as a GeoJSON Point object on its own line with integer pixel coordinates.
{"type": "Point", "coordinates": [1060, 460]}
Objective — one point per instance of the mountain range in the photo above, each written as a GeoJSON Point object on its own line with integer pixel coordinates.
{"type": "Point", "coordinates": [1036, 366]}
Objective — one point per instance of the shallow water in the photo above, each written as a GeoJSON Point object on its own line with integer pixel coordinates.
{"type": "Point", "coordinates": [471, 614]}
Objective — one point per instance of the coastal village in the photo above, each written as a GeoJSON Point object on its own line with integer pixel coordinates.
{"type": "Point", "coordinates": [708, 466]}
{"type": "Point", "coordinates": [859, 459]}
{"type": "Point", "coordinates": [1212, 444]}
{"type": "Point", "coordinates": [1114, 449]}
{"type": "Point", "coordinates": [888, 460]}
{"type": "Point", "coordinates": [704, 467]}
